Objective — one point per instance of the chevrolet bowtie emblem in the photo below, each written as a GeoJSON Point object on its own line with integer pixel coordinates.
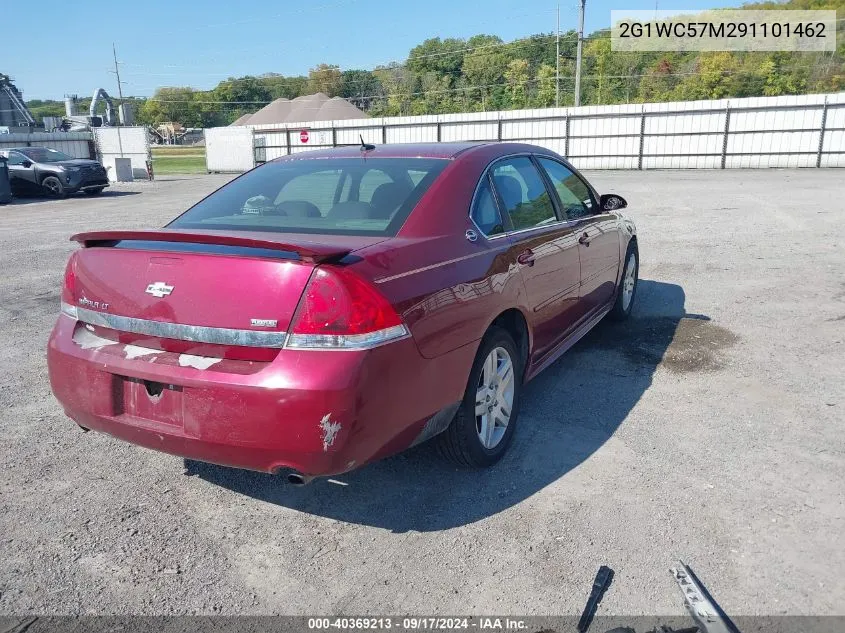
{"type": "Point", "coordinates": [159, 289]}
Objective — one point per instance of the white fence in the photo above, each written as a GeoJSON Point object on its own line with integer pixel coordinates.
{"type": "Point", "coordinates": [76, 144]}
{"type": "Point", "coordinates": [794, 131]}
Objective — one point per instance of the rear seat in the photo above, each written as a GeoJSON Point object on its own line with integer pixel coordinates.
{"type": "Point", "coordinates": [352, 210]}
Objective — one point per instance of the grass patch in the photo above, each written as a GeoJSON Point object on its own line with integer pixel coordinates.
{"type": "Point", "coordinates": [178, 165]}
{"type": "Point", "coordinates": [178, 159]}
{"type": "Point", "coordinates": [178, 150]}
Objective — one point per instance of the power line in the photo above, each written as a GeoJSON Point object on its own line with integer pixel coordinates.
{"type": "Point", "coordinates": [469, 88]}
{"type": "Point", "coordinates": [387, 63]}
{"type": "Point", "coordinates": [517, 43]}
{"type": "Point", "coordinates": [461, 88]}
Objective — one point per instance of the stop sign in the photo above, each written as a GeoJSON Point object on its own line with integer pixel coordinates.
{"type": "Point", "coordinates": [303, 136]}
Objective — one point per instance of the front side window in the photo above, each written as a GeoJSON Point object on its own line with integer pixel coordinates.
{"type": "Point", "coordinates": [575, 197]}
{"type": "Point", "coordinates": [485, 211]}
{"type": "Point", "coordinates": [333, 196]}
{"type": "Point", "coordinates": [16, 159]}
{"type": "Point", "coordinates": [523, 193]}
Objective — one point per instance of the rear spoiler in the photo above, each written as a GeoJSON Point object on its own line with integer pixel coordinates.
{"type": "Point", "coordinates": [308, 251]}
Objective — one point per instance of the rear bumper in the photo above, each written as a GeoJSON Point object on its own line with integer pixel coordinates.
{"type": "Point", "coordinates": [316, 412]}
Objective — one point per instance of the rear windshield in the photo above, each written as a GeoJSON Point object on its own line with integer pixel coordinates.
{"type": "Point", "coordinates": [340, 196]}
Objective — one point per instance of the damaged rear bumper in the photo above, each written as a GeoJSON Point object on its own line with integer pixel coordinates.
{"type": "Point", "coordinates": [318, 413]}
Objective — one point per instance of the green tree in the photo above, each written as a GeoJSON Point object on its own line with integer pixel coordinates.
{"type": "Point", "coordinates": [235, 97]}
{"type": "Point", "coordinates": [713, 78]}
{"type": "Point", "coordinates": [517, 78]}
{"type": "Point", "coordinates": [442, 57]}
{"type": "Point", "coordinates": [399, 86]}
{"type": "Point", "coordinates": [437, 95]}
{"type": "Point", "coordinates": [40, 109]}
{"type": "Point", "coordinates": [181, 105]}
{"type": "Point", "coordinates": [485, 73]}
{"type": "Point", "coordinates": [243, 89]}
{"type": "Point", "coordinates": [781, 77]}
{"type": "Point", "coordinates": [324, 78]}
{"type": "Point", "coordinates": [546, 88]}
{"type": "Point", "coordinates": [360, 87]}
{"type": "Point", "coordinates": [658, 82]}
{"type": "Point", "coordinates": [284, 87]}
{"type": "Point", "coordinates": [484, 69]}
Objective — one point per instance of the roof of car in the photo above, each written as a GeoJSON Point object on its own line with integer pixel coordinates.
{"type": "Point", "coordinates": [20, 149]}
{"type": "Point", "coordinates": [393, 150]}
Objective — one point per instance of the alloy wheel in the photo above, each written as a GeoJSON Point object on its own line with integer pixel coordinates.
{"type": "Point", "coordinates": [53, 186]}
{"type": "Point", "coordinates": [629, 281]}
{"type": "Point", "coordinates": [494, 398]}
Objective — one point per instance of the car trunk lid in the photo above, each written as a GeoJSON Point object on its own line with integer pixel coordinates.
{"type": "Point", "coordinates": [225, 294]}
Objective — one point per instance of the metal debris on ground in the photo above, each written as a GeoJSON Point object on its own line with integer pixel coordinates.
{"type": "Point", "coordinates": [602, 582]}
{"type": "Point", "coordinates": [708, 615]}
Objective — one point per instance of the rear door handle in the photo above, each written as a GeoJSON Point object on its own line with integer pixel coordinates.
{"type": "Point", "coordinates": [584, 239]}
{"type": "Point", "coordinates": [526, 257]}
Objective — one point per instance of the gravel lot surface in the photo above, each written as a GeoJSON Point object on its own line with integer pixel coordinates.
{"type": "Point", "coordinates": [708, 428]}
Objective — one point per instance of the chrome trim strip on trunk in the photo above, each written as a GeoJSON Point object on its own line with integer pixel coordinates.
{"type": "Point", "coordinates": [181, 332]}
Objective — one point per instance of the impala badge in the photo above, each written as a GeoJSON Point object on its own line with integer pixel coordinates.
{"type": "Point", "coordinates": [263, 322]}
{"type": "Point", "coordinates": [159, 289]}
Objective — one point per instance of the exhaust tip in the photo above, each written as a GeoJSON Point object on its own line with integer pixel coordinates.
{"type": "Point", "coordinates": [298, 479]}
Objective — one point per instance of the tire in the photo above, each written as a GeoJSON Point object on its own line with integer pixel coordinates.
{"type": "Point", "coordinates": [461, 443]}
{"type": "Point", "coordinates": [94, 192]}
{"type": "Point", "coordinates": [54, 187]}
{"type": "Point", "coordinates": [626, 293]}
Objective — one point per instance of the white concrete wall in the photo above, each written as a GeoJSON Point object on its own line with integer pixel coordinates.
{"type": "Point", "coordinates": [761, 132]}
{"type": "Point", "coordinates": [74, 144]}
{"type": "Point", "coordinates": [229, 149]}
{"type": "Point", "coordinates": [123, 142]}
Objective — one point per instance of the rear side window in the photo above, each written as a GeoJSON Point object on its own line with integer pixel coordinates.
{"type": "Point", "coordinates": [485, 211]}
{"type": "Point", "coordinates": [575, 197]}
{"type": "Point", "coordinates": [335, 196]}
{"type": "Point", "coordinates": [523, 193]}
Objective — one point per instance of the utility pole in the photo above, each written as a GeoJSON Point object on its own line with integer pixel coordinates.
{"type": "Point", "coordinates": [557, 59]}
{"type": "Point", "coordinates": [117, 72]}
{"type": "Point", "coordinates": [578, 54]}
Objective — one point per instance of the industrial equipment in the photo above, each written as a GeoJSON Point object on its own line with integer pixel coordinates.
{"type": "Point", "coordinates": [75, 122]}
{"type": "Point", "coordinates": [13, 110]}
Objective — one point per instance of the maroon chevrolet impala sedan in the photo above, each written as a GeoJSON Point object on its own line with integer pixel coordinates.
{"type": "Point", "coordinates": [333, 307]}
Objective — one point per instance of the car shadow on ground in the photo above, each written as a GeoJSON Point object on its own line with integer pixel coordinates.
{"type": "Point", "coordinates": [568, 413]}
{"type": "Point", "coordinates": [34, 198]}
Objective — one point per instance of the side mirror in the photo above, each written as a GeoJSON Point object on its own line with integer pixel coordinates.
{"type": "Point", "coordinates": [612, 201]}
{"type": "Point", "coordinates": [26, 164]}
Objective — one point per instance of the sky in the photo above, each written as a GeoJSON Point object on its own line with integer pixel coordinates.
{"type": "Point", "coordinates": [198, 44]}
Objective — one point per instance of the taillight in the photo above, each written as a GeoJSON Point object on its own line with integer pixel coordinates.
{"type": "Point", "coordinates": [69, 288]}
{"type": "Point", "coordinates": [340, 310]}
